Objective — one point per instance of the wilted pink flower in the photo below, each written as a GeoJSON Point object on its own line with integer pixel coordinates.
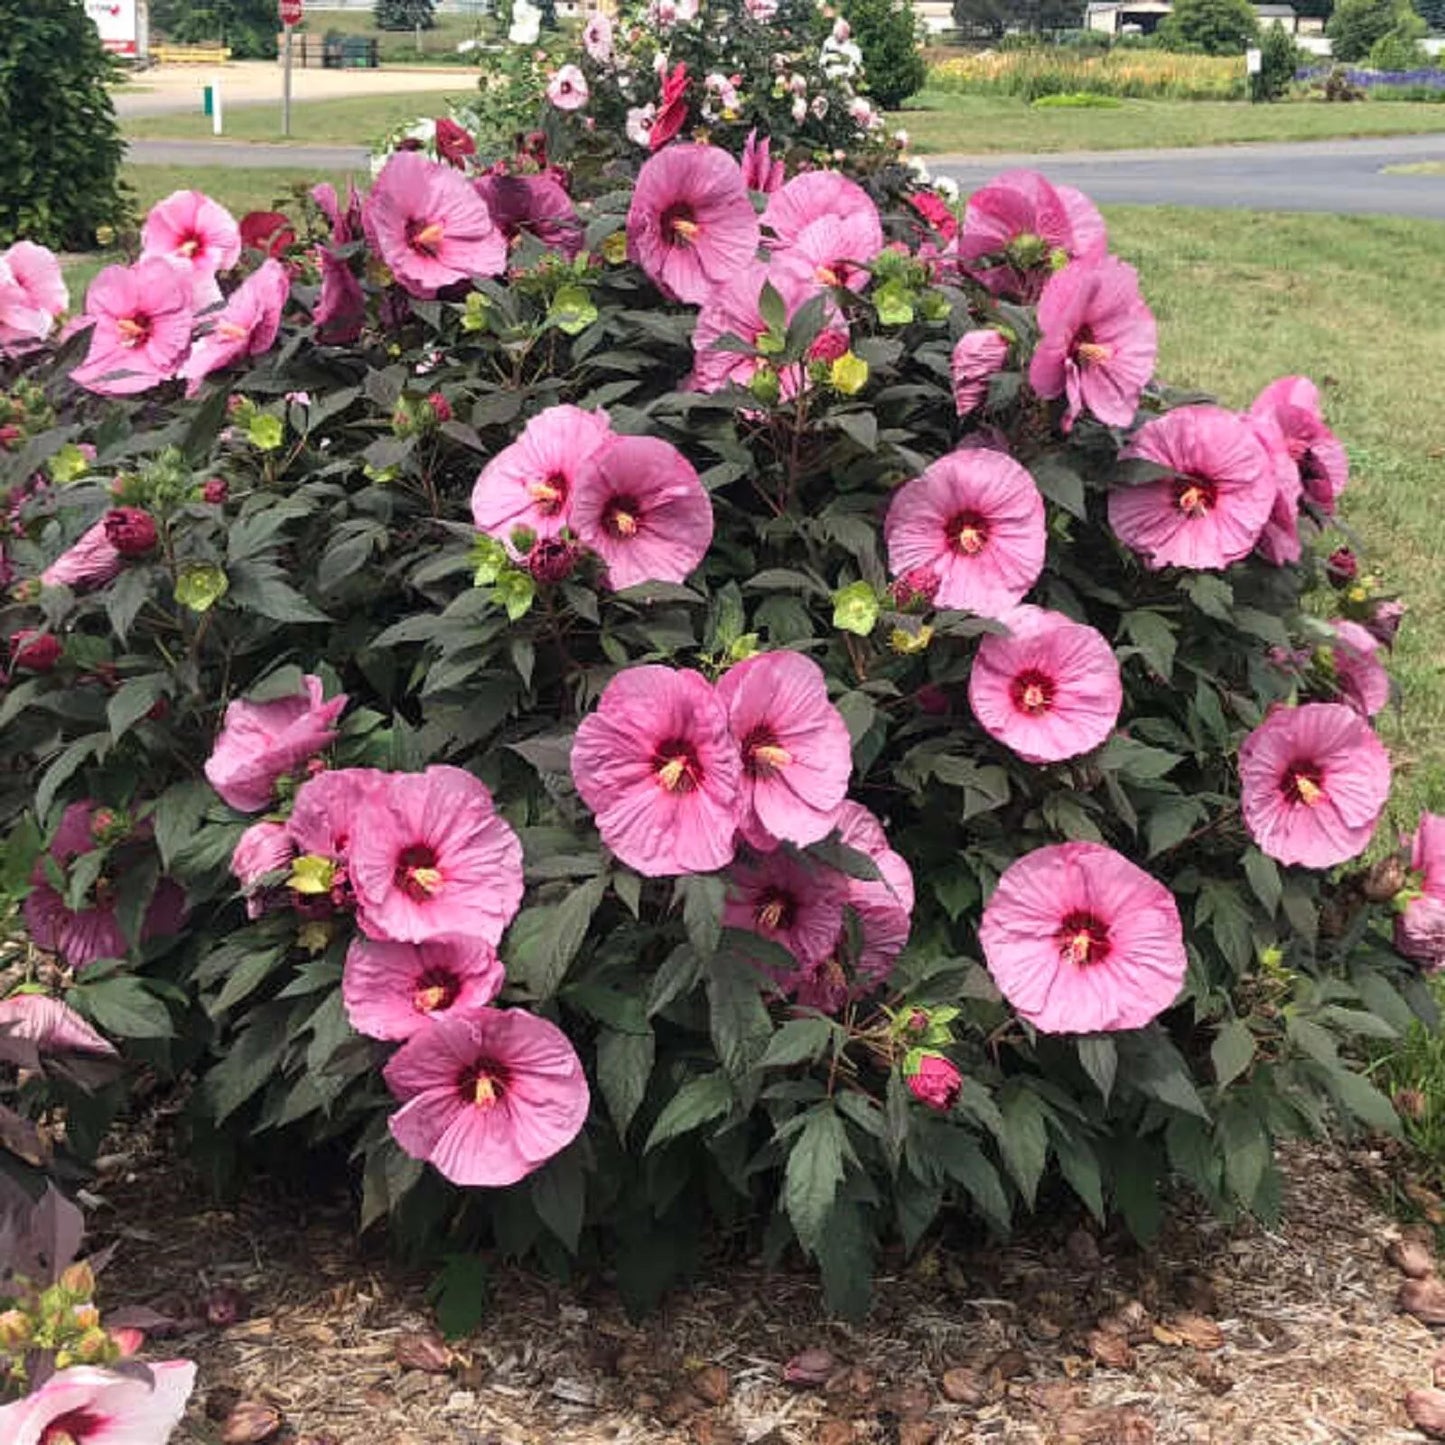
{"type": "Point", "coordinates": [1420, 932]}
{"type": "Point", "coordinates": [825, 230]}
{"type": "Point", "coordinates": [691, 225]}
{"type": "Point", "coordinates": [1324, 469]}
{"type": "Point", "coordinates": [975, 519]}
{"type": "Point", "coordinates": [1098, 341]}
{"type": "Point", "coordinates": [568, 89]}
{"type": "Point", "coordinates": [530, 483]}
{"type": "Point", "coordinates": [264, 849]}
{"type": "Point", "coordinates": [1049, 689]}
{"type": "Point", "coordinates": [32, 294]}
{"type": "Point", "coordinates": [639, 505]}
{"type": "Point", "coordinates": [340, 309]}
{"type": "Point", "coordinates": [1279, 542]}
{"type": "Point", "coordinates": [659, 769]}
{"type": "Point", "coordinates": [141, 319]}
{"type": "Point", "coordinates": [80, 936]}
{"type": "Point", "coordinates": [190, 228]}
{"type": "Point", "coordinates": [1383, 623]}
{"type": "Point", "coordinates": [671, 109]}
{"type": "Point", "coordinates": [454, 144]}
{"type": "Point", "coordinates": [883, 905]}
{"type": "Point", "coordinates": [85, 1406]}
{"type": "Point", "coordinates": [345, 224]}
{"type": "Point", "coordinates": [435, 857]}
{"type": "Point", "coordinates": [935, 1083]}
{"type": "Point", "coordinates": [735, 309]}
{"type": "Point", "coordinates": [977, 358]}
{"type": "Point", "coordinates": [790, 900]}
{"type": "Point", "coordinates": [430, 226]}
{"type": "Point", "coordinates": [487, 1097]}
{"type": "Point", "coordinates": [533, 206]}
{"type": "Point", "coordinates": [1212, 508]}
{"type": "Point", "coordinates": [1079, 940]}
{"type": "Point", "coordinates": [1363, 682]}
{"type": "Point", "coordinates": [51, 1025]}
{"type": "Point", "coordinates": [1313, 782]}
{"type": "Point", "coordinates": [929, 204]}
{"type": "Point", "coordinates": [131, 530]}
{"type": "Point", "coordinates": [391, 990]}
{"type": "Point", "coordinates": [269, 232]}
{"type": "Point", "coordinates": [760, 171]}
{"type": "Point", "coordinates": [91, 561]}
{"type": "Point", "coordinates": [1427, 853]}
{"type": "Point", "coordinates": [246, 326]}
{"type": "Point", "coordinates": [795, 748]}
{"type": "Point", "coordinates": [597, 37]}
{"type": "Point", "coordinates": [1018, 228]}
{"type": "Point", "coordinates": [261, 742]}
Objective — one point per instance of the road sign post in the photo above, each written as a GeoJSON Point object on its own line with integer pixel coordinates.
{"type": "Point", "coordinates": [291, 14]}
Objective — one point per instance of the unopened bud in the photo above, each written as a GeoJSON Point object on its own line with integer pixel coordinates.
{"type": "Point", "coordinates": [85, 1317]}
{"type": "Point", "coordinates": [79, 1279]}
{"type": "Point", "coordinates": [16, 1328]}
{"type": "Point", "coordinates": [1385, 879]}
{"type": "Point", "coordinates": [94, 1347]}
{"type": "Point", "coordinates": [1342, 567]}
{"type": "Point", "coordinates": [1409, 1103]}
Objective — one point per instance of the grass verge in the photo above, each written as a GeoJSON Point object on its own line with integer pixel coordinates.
{"type": "Point", "coordinates": [940, 122]}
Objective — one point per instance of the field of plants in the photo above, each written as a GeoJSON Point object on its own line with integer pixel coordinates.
{"type": "Point", "coordinates": [1127, 74]}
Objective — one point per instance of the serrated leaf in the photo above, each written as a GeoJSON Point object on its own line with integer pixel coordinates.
{"type": "Point", "coordinates": [698, 1102]}
{"type": "Point", "coordinates": [545, 939]}
{"type": "Point", "coordinates": [1245, 1147]}
{"type": "Point", "coordinates": [559, 1195]}
{"type": "Point", "coordinates": [132, 700]}
{"type": "Point", "coordinates": [703, 896]}
{"type": "Point", "coordinates": [799, 1041]}
{"type": "Point", "coordinates": [1263, 875]}
{"type": "Point", "coordinates": [1024, 1142]}
{"type": "Point", "coordinates": [1232, 1052]}
{"type": "Point", "coordinates": [813, 1174]}
{"type": "Point", "coordinates": [123, 1007]}
{"type": "Point", "coordinates": [1100, 1060]}
{"type": "Point", "coordinates": [624, 1065]}
{"type": "Point", "coordinates": [1154, 638]}
{"type": "Point", "coordinates": [739, 1020]}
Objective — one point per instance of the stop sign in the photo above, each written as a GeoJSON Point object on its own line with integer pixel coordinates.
{"type": "Point", "coordinates": [290, 12]}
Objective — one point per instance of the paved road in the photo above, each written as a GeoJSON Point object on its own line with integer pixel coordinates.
{"type": "Point", "coordinates": [1338, 176]}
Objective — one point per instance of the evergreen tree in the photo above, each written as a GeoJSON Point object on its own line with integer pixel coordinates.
{"type": "Point", "coordinates": [1217, 27]}
{"type": "Point", "coordinates": [405, 14]}
{"type": "Point", "coordinates": [1358, 25]}
{"type": "Point", "coordinates": [1278, 60]}
{"type": "Point", "coordinates": [886, 31]}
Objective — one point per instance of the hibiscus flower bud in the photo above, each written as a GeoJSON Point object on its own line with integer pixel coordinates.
{"type": "Point", "coordinates": [916, 1022]}
{"type": "Point", "coordinates": [1384, 620]}
{"type": "Point", "coordinates": [9, 435]}
{"type": "Point", "coordinates": [127, 1341]}
{"type": "Point", "coordinates": [15, 1330]}
{"type": "Point", "coordinates": [829, 345]}
{"type": "Point", "coordinates": [441, 409]}
{"type": "Point", "coordinates": [94, 1347]}
{"type": "Point", "coordinates": [215, 491]}
{"type": "Point", "coordinates": [1385, 879]}
{"type": "Point", "coordinates": [1342, 567]}
{"type": "Point", "coordinates": [915, 590]}
{"type": "Point", "coordinates": [131, 531]}
{"type": "Point", "coordinates": [935, 1083]}
{"type": "Point", "coordinates": [552, 560]}
{"type": "Point", "coordinates": [34, 651]}
{"type": "Point", "coordinates": [85, 1317]}
{"type": "Point", "coordinates": [1420, 932]}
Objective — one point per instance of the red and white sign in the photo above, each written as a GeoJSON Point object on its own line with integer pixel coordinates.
{"type": "Point", "coordinates": [118, 24]}
{"type": "Point", "coordinates": [291, 12]}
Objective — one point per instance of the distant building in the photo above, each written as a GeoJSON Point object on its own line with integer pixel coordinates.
{"type": "Point", "coordinates": [1142, 17]}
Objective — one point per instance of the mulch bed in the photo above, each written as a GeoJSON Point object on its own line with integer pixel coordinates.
{"type": "Point", "coordinates": [1219, 1335]}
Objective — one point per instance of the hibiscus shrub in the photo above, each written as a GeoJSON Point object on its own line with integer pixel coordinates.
{"type": "Point", "coordinates": [691, 712]}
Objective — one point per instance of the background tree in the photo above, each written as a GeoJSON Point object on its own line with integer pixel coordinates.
{"type": "Point", "coordinates": [1278, 60]}
{"type": "Point", "coordinates": [248, 27]}
{"type": "Point", "coordinates": [60, 164]}
{"type": "Point", "coordinates": [992, 19]}
{"type": "Point", "coordinates": [1216, 27]}
{"type": "Point", "coordinates": [405, 14]}
{"type": "Point", "coordinates": [1357, 25]}
{"type": "Point", "coordinates": [1432, 12]}
{"type": "Point", "coordinates": [886, 31]}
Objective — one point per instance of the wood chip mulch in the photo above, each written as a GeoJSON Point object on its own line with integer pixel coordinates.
{"type": "Point", "coordinates": [1218, 1335]}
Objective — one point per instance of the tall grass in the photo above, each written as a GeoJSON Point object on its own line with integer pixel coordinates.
{"type": "Point", "coordinates": [1130, 74]}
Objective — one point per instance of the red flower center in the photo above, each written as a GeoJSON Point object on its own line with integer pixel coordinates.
{"type": "Point", "coordinates": [763, 755]}
{"type": "Point", "coordinates": [776, 910]}
{"type": "Point", "coordinates": [192, 246]}
{"type": "Point", "coordinates": [425, 236]}
{"type": "Point", "coordinates": [417, 874]}
{"type": "Point", "coordinates": [74, 1427]}
{"type": "Point", "coordinates": [1088, 352]}
{"type": "Point", "coordinates": [967, 533]}
{"type": "Point", "coordinates": [622, 517]}
{"type": "Point", "coordinates": [679, 224]}
{"type": "Point", "coordinates": [549, 494]}
{"type": "Point", "coordinates": [835, 273]}
{"type": "Point", "coordinates": [481, 1086]}
{"type": "Point", "coordinates": [134, 330]}
{"type": "Point", "coordinates": [1194, 496]}
{"type": "Point", "coordinates": [1032, 692]}
{"type": "Point", "coordinates": [436, 989]}
{"type": "Point", "coordinates": [1083, 938]}
{"type": "Point", "coordinates": [678, 766]}
{"type": "Point", "coordinates": [1303, 783]}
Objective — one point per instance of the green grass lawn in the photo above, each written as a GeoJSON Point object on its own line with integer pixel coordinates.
{"type": "Point", "coordinates": [941, 122]}
{"type": "Point", "coordinates": [1244, 297]}
{"type": "Point", "coordinates": [357, 120]}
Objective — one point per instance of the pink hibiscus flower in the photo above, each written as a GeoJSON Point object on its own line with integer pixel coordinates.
{"type": "Point", "coordinates": [327, 813]}
{"type": "Point", "coordinates": [265, 849]}
{"type": "Point", "coordinates": [789, 900]}
{"type": "Point", "coordinates": [530, 483]}
{"type": "Point", "coordinates": [568, 89]}
{"type": "Point", "coordinates": [533, 206]}
{"type": "Point", "coordinates": [597, 37]}
{"type": "Point", "coordinates": [1049, 689]}
{"type": "Point", "coordinates": [1079, 940]}
{"type": "Point", "coordinates": [691, 225]}
{"type": "Point", "coordinates": [52, 1026]}
{"type": "Point", "coordinates": [199, 233]}
{"type": "Point", "coordinates": [261, 742]}
{"type": "Point", "coordinates": [639, 505]}
{"type": "Point", "coordinates": [1420, 932]}
{"type": "Point", "coordinates": [660, 771]}
{"type": "Point", "coordinates": [247, 326]}
{"type": "Point", "coordinates": [825, 229]}
{"type": "Point", "coordinates": [435, 858]}
{"type": "Point", "coordinates": [430, 226]}
{"type": "Point", "coordinates": [978, 357]}
{"type": "Point", "coordinates": [345, 224]}
{"type": "Point", "coordinates": [141, 319]}
{"type": "Point", "coordinates": [794, 744]}
{"type": "Point", "coordinates": [80, 936]}
{"type": "Point", "coordinates": [1098, 341]}
{"type": "Point", "coordinates": [883, 905]}
{"type": "Point", "coordinates": [976, 520]}
{"type": "Point", "coordinates": [392, 989]}
{"type": "Point", "coordinates": [1213, 507]}
{"type": "Point", "coordinates": [1324, 469]}
{"type": "Point", "coordinates": [1279, 542]}
{"type": "Point", "coordinates": [1016, 227]}
{"type": "Point", "coordinates": [760, 171]}
{"type": "Point", "coordinates": [734, 309]}
{"type": "Point", "coordinates": [1360, 675]}
{"type": "Point", "coordinates": [91, 561]}
{"type": "Point", "coordinates": [1313, 782]}
{"type": "Point", "coordinates": [32, 294]}
{"type": "Point", "coordinates": [487, 1097]}
{"type": "Point", "coordinates": [1427, 853]}
{"type": "Point", "coordinates": [340, 310]}
{"type": "Point", "coordinates": [454, 144]}
{"type": "Point", "coordinates": [85, 1406]}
